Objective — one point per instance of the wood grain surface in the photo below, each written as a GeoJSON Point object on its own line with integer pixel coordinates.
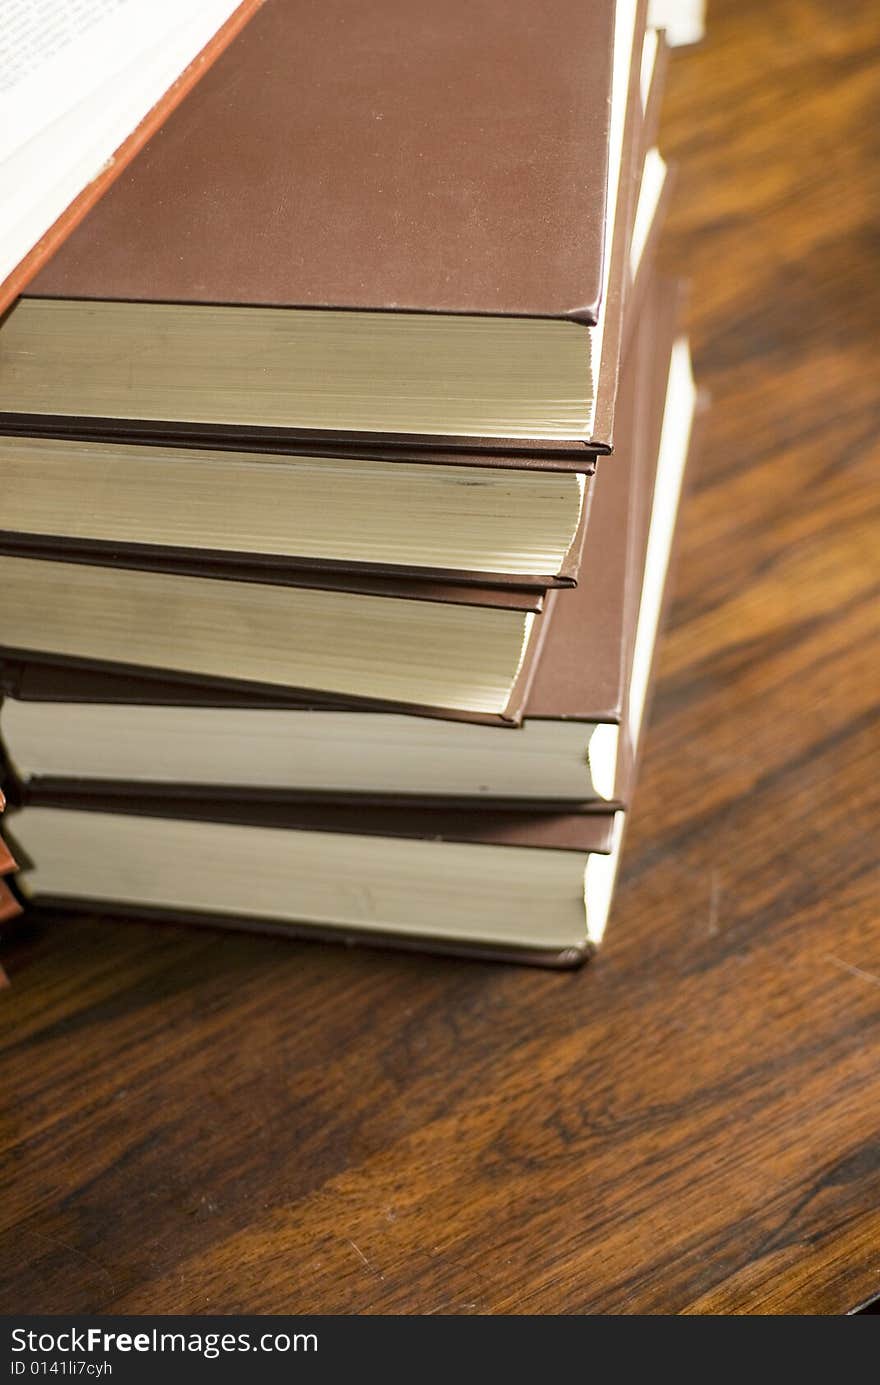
{"type": "Point", "coordinates": [206, 1122]}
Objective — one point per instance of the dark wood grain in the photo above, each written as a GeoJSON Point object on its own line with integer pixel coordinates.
{"type": "Point", "coordinates": [204, 1122]}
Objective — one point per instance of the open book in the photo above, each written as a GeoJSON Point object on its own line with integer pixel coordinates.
{"type": "Point", "coordinates": [83, 83]}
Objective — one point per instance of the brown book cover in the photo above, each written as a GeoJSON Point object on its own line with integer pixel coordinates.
{"type": "Point", "coordinates": [7, 860]}
{"type": "Point", "coordinates": [10, 905]}
{"type": "Point", "coordinates": [40, 254]}
{"type": "Point", "coordinates": [445, 159]}
{"type": "Point", "coordinates": [330, 159]}
{"type": "Point", "coordinates": [10, 908]}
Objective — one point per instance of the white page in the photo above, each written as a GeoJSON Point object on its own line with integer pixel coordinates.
{"type": "Point", "coordinates": [624, 39]}
{"type": "Point", "coordinates": [683, 20]}
{"type": "Point", "coordinates": [678, 419]}
{"type": "Point", "coordinates": [76, 78]}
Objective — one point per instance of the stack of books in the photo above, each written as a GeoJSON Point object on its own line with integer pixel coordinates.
{"type": "Point", "coordinates": [342, 446]}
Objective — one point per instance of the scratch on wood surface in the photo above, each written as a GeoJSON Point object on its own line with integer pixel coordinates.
{"type": "Point", "coordinates": [55, 1241]}
{"type": "Point", "coordinates": [855, 971]}
{"type": "Point", "coordinates": [358, 1251]}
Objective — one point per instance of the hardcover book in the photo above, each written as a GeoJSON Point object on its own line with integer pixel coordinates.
{"type": "Point", "coordinates": [445, 650]}
{"type": "Point", "coordinates": [530, 887]}
{"type": "Point", "coordinates": [400, 221]}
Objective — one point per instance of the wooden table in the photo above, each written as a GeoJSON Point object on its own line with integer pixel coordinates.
{"type": "Point", "coordinates": [199, 1122]}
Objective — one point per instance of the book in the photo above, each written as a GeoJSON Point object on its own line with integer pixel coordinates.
{"type": "Point", "coordinates": [82, 88]}
{"type": "Point", "coordinates": [448, 650]}
{"type": "Point", "coordinates": [289, 512]}
{"type": "Point", "coordinates": [423, 236]}
{"type": "Point", "coordinates": [532, 887]}
{"type": "Point", "coordinates": [575, 745]}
